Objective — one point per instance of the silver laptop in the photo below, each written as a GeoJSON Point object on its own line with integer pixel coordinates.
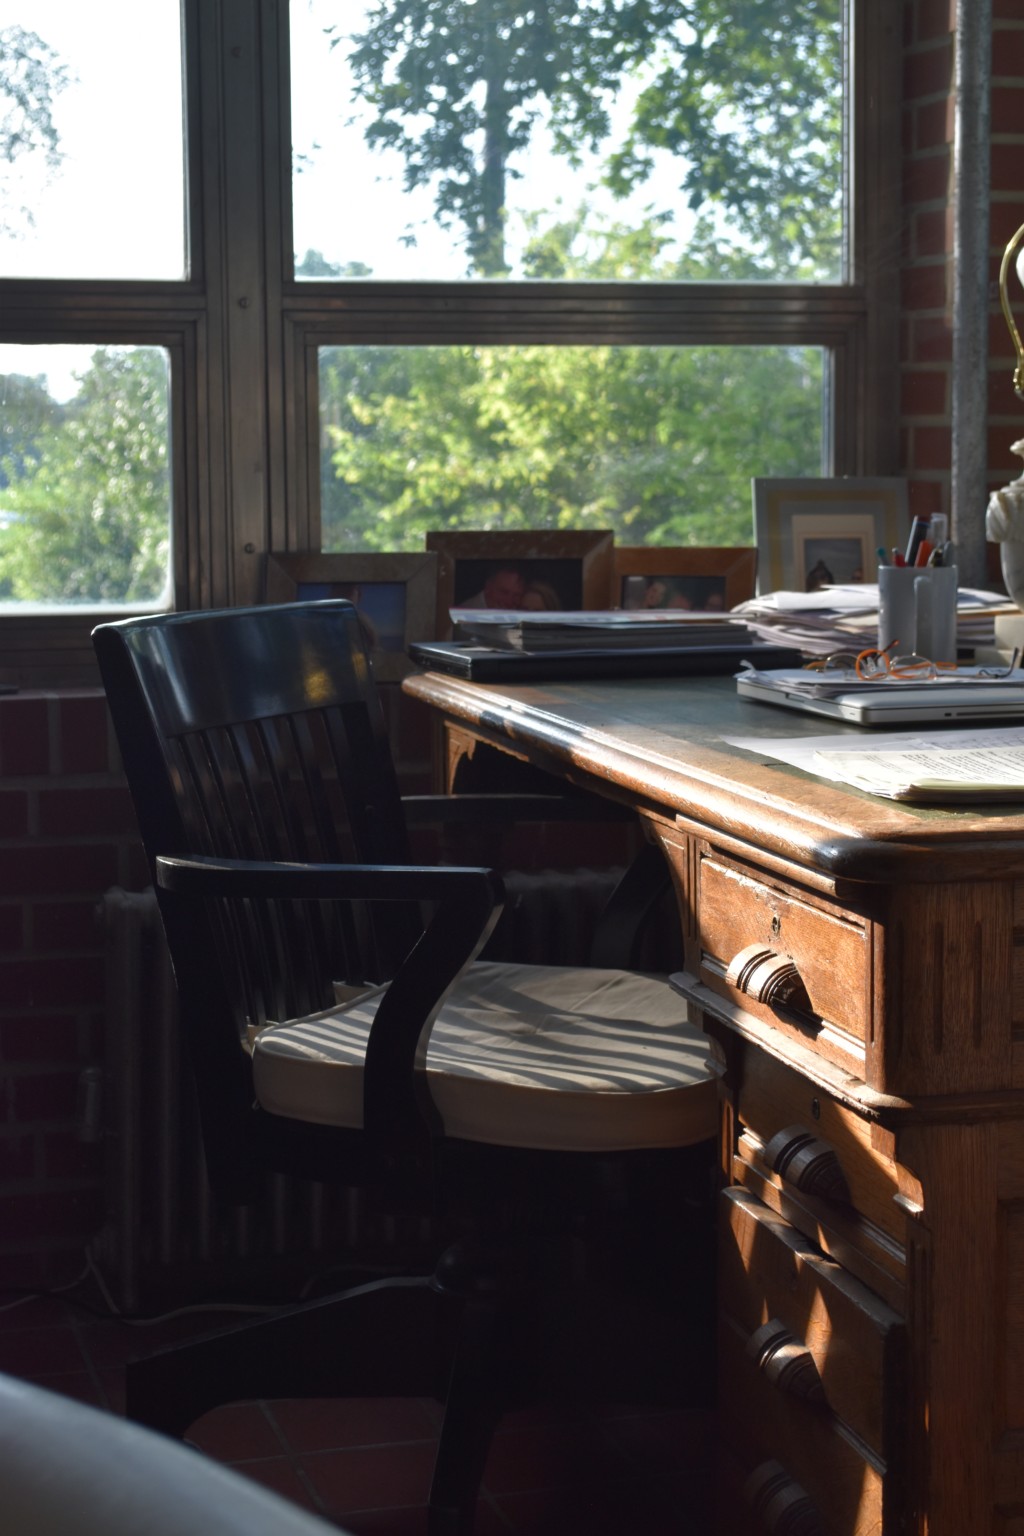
{"type": "Point", "coordinates": [900, 704]}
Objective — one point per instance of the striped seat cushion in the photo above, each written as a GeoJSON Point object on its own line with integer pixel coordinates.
{"type": "Point", "coordinates": [520, 1055]}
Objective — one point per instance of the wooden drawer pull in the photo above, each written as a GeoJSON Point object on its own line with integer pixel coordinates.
{"type": "Point", "coordinates": [786, 1361]}
{"type": "Point", "coordinates": [808, 1163]}
{"type": "Point", "coordinates": [768, 978]}
{"type": "Point", "coordinates": [780, 1503]}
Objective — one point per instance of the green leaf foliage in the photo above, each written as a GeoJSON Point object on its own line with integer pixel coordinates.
{"type": "Point", "coordinates": [88, 518]}
{"type": "Point", "coordinates": [658, 443]}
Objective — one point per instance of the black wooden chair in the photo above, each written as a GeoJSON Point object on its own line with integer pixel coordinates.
{"type": "Point", "coordinates": [553, 1124]}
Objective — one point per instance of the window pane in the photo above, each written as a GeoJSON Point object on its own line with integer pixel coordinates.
{"type": "Point", "coordinates": [657, 443]}
{"type": "Point", "coordinates": [91, 139]}
{"type": "Point", "coordinates": [578, 139]}
{"type": "Point", "coordinates": [85, 497]}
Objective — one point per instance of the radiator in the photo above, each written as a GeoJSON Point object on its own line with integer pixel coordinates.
{"type": "Point", "coordinates": [164, 1238]}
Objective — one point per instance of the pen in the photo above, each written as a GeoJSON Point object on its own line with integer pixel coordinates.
{"type": "Point", "coordinates": [935, 558]}
{"type": "Point", "coordinates": [883, 558]}
{"type": "Point", "coordinates": [897, 558]}
{"type": "Point", "coordinates": [918, 529]}
{"type": "Point", "coordinates": [924, 550]}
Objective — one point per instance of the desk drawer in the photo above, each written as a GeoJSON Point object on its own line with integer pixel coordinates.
{"type": "Point", "coordinates": [798, 961]}
{"type": "Point", "coordinates": [812, 1330]}
{"type": "Point", "coordinates": [801, 1470]}
{"type": "Point", "coordinates": [814, 1146]}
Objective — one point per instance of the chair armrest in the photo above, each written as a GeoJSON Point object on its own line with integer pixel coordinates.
{"type": "Point", "coordinates": [205, 875]}
{"type": "Point", "coordinates": [421, 810]}
{"type": "Point", "coordinates": [399, 1117]}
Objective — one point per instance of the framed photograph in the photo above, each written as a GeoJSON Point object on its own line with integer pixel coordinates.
{"type": "Point", "coordinates": [710, 580]}
{"type": "Point", "coordinates": [811, 533]}
{"type": "Point", "coordinates": [535, 569]}
{"type": "Point", "coordinates": [396, 596]}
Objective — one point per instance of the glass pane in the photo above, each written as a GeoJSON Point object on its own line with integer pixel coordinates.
{"type": "Point", "coordinates": [657, 443]}
{"type": "Point", "coordinates": [578, 139]}
{"type": "Point", "coordinates": [85, 492]}
{"type": "Point", "coordinates": [92, 180]}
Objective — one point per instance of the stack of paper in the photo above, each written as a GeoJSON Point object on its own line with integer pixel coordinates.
{"type": "Point", "coordinates": [930, 775]}
{"type": "Point", "coordinates": [846, 617]}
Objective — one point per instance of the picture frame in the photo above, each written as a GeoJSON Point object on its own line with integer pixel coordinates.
{"type": "Point", "coordinates": [705, 578]}
{"type": "Point", "coordinates": [810, 532]}
{"type": "Point", "coordinates": [563, 569]}
{"type": "Point", "coordinates": [396, 595]}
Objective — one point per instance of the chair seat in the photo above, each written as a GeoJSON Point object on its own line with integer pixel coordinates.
{"type": "Point", "coordinates": [542, 1057]}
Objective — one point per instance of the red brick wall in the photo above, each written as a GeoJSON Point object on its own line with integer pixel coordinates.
{"type": "Point", "coordinates": [66, 835]}
{"type": "Point", "coordinates": [926, 341]}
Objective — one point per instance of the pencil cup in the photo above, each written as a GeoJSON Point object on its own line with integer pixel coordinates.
{"type": "Point", "coordinates": [917, 610]}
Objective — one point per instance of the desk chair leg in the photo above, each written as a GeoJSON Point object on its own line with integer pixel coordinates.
{"type": "Point", "coordinates": [393, 1338]}
{"type": "Point", "coordinates": [474, 1404]}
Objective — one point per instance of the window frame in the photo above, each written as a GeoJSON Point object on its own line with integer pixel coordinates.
{"type": "Point", "coordinates": [244, 334]}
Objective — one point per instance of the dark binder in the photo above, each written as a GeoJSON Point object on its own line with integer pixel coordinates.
{"type": "Point", "coordinates": [485, 664]}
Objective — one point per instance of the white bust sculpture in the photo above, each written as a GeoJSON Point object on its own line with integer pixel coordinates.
{"type": "Point", "coordinates": [1005, 516]}
{"type": "Point", "coordinates": [1004, 525]}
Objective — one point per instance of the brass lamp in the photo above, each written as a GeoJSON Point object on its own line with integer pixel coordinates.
{"type": "Point", "coordinates": [1016, 241]}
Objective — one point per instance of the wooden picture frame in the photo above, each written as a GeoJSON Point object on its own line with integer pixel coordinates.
{"type": "Point", "coordinates": [812, 532]}
{"type": "Point", "coordinates": [570, 570]}
{"type": "Point", "coordinates": [395, 594]}
{"type": "Point", "coordinates": [704, 578]}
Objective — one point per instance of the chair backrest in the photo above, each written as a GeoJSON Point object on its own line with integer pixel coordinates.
{"type": "Point", "coordinates": [258, 734]}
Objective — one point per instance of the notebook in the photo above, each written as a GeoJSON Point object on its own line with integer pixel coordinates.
{"type": "Point", "coordinates": [897, 704]}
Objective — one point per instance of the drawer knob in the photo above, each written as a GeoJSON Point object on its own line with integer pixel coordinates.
{"type": "Point", "coordinates": [768, 978]}
{"type": "Point", "coordinates": [786, 1361]}
{"type": "Point", "coordinates": [783, 1507]}
{"type": "Point", "coordinates": [808, 1163]}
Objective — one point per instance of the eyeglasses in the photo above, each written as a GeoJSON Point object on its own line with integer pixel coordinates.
{"type": "Point", "coordinates": [877, 665]}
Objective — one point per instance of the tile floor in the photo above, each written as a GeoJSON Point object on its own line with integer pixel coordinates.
{"type": "Point", "coordinates": [366, 1465]}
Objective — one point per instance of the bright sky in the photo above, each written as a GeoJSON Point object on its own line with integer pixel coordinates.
{"type": "Point", "coordinates": [115, 206]}
{"type": "Point", "coordinates": [345, 181]}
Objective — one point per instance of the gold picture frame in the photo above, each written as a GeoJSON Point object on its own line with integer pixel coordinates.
{"type": "Point", "coordinates": [568, 570]}
{"type": "Point", "coordinates": [396, 596]}
{"type": "Point", "coordinates": [814, 532]}
{"type": "Point", "coordinates": [701, 577]}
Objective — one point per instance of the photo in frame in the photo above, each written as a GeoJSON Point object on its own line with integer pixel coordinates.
{"type": "Point", "coordinates": [538, 570]}
{"type": "Point", "coordinates": [815, 532]}
{"type": "Point", "coordinates": [704, 579]}
{"type": "Point", "coordinates": [396, 596]}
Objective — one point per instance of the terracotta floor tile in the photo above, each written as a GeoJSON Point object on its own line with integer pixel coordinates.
{"type": "Point", "coordinates": [412, 1521]}
{"type": "Point", "coordinates": [374, 1477]}
{"type": "Point", "coordinates": [279, 1474]}
{"type": "Point", "coordinates": [630, 1511]}
{"type": "Point", "coordinates": [34, 1312]}
{"type": "Point", "coordinates": [549, 1456]}
{"type": "Point", "coordinates": [323, 1424]}
{"type": "Point", "coordinates": [236, 1433]}
{"type": "Point", "coordinates": [38, 1352]}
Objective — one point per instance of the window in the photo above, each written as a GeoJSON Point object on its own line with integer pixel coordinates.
{"type": "Point", "coordinates": [352, 326]}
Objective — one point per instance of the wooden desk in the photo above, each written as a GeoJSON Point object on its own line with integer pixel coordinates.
{"type": "Point", "coordinates": [859, 967]}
